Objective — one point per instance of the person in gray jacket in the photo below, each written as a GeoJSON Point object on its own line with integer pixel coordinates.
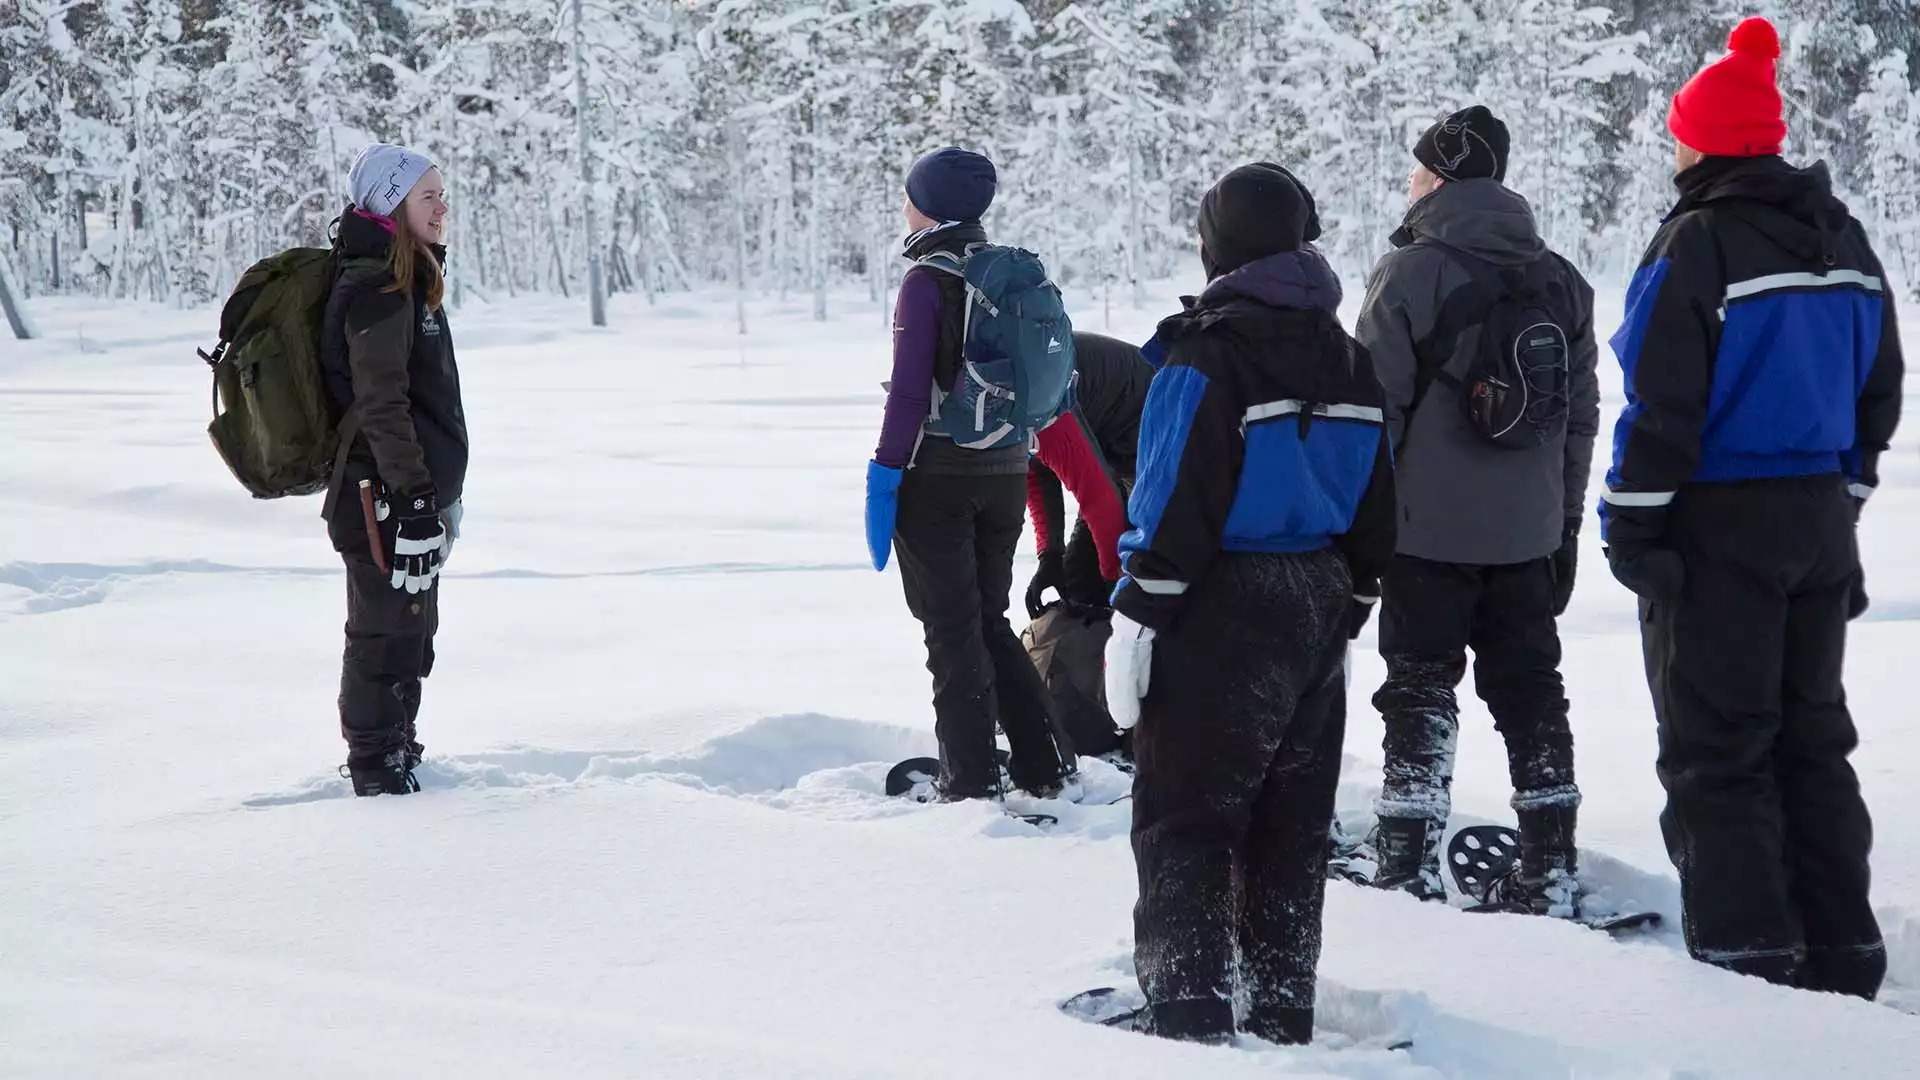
{"type": "Point", "coordinates": [1493, 421]}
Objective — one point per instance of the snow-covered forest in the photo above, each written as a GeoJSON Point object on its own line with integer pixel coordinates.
{"type": "Point", "coordinates": [153, 148]}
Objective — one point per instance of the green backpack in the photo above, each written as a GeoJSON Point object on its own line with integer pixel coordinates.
{"type": "Point", "coordinates": [272, 422]}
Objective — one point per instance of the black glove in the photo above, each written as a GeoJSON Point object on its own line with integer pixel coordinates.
{"type": "Point", "coordinates": [419, 542]}
{"type": "Point", "coordinates": [1653, 571]}
{"type": "Point", "coordinates": [1051, 575]}
{"type": "Point", "coordinates": [1357, 616]}
{"type": "Point", "coordinates": [1563, 565]}
{"type": "Point", "coordinates": [1857, 600]}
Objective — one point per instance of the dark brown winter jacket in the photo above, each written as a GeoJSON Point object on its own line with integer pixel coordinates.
{"type": "Point", "coordinates": [390, 360]}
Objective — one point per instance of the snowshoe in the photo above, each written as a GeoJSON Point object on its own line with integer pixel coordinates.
{"type": "Point", "coordinates": [1351, 858]}
{"type": "Point", "coordinates": [1109, 1006]}
{"type": "Point", "coordinates": [1479, 855]}
{"type": "Point", "coordinates": [1485, 860]}
{"type": "Point", "coordinates": [915, 778]}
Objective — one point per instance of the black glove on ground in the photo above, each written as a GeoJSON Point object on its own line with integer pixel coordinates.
{"type": "Point", "coordinates": [1563, 565]}
{"type": "Point", "coordinates": [1051, 575]}
{"type": "Point", "coordinates": [1653, 571]}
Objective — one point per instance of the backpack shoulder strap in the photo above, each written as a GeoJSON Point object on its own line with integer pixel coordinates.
{"type": "Point", "coordinates": [944, 261]}
{"type": "Point", "coordinates": [1466, 306]}
{"type": "Point", "coordinates": [349, 430]}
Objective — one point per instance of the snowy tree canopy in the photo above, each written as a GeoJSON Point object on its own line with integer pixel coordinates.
{"type": "Point", "coordinates": [155, 148]}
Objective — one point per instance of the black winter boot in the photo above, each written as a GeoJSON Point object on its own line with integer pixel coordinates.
{"type": "Point", "coordinates": [1281, 1026]}
{"type": "Point", "coordinates": [390, 775]}
{"type": "Point", "coordinates": [1409, 850]}
{"type": "Point", "coordinates": [1202, 1020]}
{"type": "Point", "coordinates": [1546, 882]}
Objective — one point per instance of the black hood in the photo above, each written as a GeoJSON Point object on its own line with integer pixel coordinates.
{"type": "Point", "coordinates": [1479, 217]}
{"type": "Point", "coordinates": [363, 236]}
{"type": "Point", "coordinates": [1291, 279]}
{"type": "Point", "coordinates": [1810, 218]}
{"type": "Point", "coordinates": [1287, 295]}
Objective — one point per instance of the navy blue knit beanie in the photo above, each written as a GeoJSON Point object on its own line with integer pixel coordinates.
{"type": "Point", "coordinates": [952, 184]}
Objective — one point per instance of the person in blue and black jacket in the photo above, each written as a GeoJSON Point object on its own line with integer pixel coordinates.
{"type": "Point", "coordinates": [1263, 508]}
{"type": "Point", "coordinates": [1763, 377]}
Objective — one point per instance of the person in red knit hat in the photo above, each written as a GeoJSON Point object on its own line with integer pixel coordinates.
{"type": "Point", "coordinates": [1763, 377]}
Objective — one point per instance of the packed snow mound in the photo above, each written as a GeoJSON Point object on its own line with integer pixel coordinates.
{"type": "Point", "coordinates": [826, 766]}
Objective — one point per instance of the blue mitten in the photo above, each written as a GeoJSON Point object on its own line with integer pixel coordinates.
{"type": "Point", "coordinates": [883, 501]}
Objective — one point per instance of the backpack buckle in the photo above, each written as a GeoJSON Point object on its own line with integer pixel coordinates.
{"type": "Point", "coordinates": [219, 351]}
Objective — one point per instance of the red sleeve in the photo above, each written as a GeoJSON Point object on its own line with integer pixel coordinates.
{"type": "Point", "coordinates": [1043, 494]}
{"type": "Point", "coordinates": [1065, 449]}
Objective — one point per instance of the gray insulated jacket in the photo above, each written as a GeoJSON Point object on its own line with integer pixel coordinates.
{"type": "Point", "coordinates": [1463, 499]}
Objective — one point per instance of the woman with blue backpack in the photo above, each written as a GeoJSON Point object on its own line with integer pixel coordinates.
{"type": "Point", "coordinates": [950, 495]}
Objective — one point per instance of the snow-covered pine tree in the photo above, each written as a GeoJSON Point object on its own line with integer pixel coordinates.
{"type": "Point", "coordinates": [1888, 115]}
{"type": "Point", "coordinates": [156, 147]}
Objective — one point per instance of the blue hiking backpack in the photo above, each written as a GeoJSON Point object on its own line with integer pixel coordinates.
{"type": "Point", "coordinates": [1017, 355]}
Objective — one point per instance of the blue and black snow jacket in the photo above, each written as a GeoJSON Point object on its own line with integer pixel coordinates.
{"type": "Point", "coordinates": [1262, 433]}
{"type": "Point", "coordinates": [1759, 343]}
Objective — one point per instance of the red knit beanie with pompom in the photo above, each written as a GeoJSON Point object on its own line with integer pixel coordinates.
{"type": "Point", "coordinates": [1732, 107]}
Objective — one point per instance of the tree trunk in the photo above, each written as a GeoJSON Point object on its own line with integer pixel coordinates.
{"type": "Point", "coordinates": [501, 248]}
{"type": "Point", "coordinates": [739, 227]}
{"type": "Point", "coordinates": [817, 262]}
{"type": "Point", "coordinates": [54, 276]}
{"type": "Point", "coordinates": [118, 279]}
{"type": "Point", "coordinates": [641, 255]}
{"type": "Point", "coordinates": [80, 219]}
{"type": "Point", "coordinates": [596, 283]}
{"type": "Point", "coordinates": [16, 312]}
{"type": "Point", "coordinates": [1133, 203]}
{"type": "Point", "coordinates": [559, 260]}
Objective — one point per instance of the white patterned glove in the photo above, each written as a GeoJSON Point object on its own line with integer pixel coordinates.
{"type": "Point", "coordinates": [417, 542]}
{"type": "Point", "coordinates": [1129, 664]}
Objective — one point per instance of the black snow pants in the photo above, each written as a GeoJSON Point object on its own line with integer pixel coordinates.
{"type": "Point", "coordinates": [955, 538]}
{"type": "Point", "coordinates": [1238, 757]}
{"type": "Point", "coordinates": [1764, 818]}
{"type": "Point", "coordinates": [389, 645]}
{"type": "Point", "coordinates": [1431, 614]}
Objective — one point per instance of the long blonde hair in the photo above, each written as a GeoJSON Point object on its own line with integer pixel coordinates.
{"type": "Point", "coordinates": [410, 256]}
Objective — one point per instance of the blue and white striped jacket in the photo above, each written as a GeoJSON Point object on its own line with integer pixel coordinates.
{"type": "Point", "coordinates": [1263, 432]}
{"type": "Point", "coordinates": [1759, 343]}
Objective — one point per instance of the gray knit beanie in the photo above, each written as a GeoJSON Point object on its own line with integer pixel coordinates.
{"type": "Point", "coordinates": [383, 175]}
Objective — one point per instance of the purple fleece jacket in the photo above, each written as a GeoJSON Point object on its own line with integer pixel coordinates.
{"type": "Point", "coordinates": [916, 336]}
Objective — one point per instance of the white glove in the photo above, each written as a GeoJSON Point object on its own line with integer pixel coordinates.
{"type": "Point", "coordinates": [1129, 665]}
{"type": "Point", "coordinates": [450, 517]}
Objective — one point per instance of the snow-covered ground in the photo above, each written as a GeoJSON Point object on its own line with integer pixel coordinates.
{"type": "Point", "coordinates": [652, 841]}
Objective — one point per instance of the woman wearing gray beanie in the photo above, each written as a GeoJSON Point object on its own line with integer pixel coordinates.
{"type": "Point", "coordinates": [388, 357]}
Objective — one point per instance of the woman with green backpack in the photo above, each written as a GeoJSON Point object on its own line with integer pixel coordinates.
{"type": "Point", "coordinates": [955, 514]}
{"type": "Point", "coordinates": [388, 359]}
